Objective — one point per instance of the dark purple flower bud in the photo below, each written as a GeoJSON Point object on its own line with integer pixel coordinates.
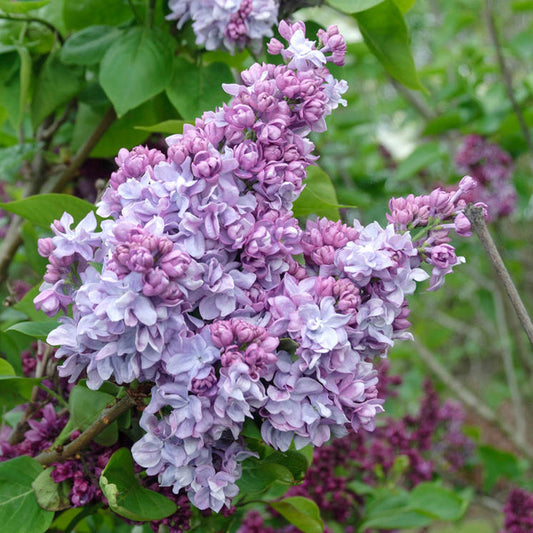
{"type": "Point", "coordinates": [240, 115]}
{"type": "Point", "coordinates": [244, 331]}
{"type": "Point", "coordinates": [462, 225]}
{"type": "Point", "coordinates": [155, 282]}
{"type": "Point", "coordinates": [231, 356]}
{"type": "Point", "coordinates": [274, 47]}
{"type": "Point", "coordinates": [443, 256]}
{"type": "Point", "coordinates": [206, 165]}
{"type": "Point", "coordinates": [221, 333]}
{"type": "Point", "coordinates": [247, 154]}
{"type": "Point", "coordinates": [175, 263]}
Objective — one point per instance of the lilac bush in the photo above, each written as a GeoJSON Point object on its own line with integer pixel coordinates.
{"type": "Point", "coordinates": [202, 283]}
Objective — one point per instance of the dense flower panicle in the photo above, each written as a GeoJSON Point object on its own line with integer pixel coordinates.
{"type": "Point", "coordinates": [518, 512]}
{"type": "Point", "coordinates": [192, 283]}
{"type": "Point", "coordinates": [228, 24]}
{"type": "Point", "coordinates": [492, 167]}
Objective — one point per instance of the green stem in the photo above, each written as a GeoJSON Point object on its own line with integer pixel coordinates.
{"type": "Point", "coordinates": [135, 14]}
{"type": "Point", "coordinates": [37, 20]}
{"type": "Point", "coordinates": [53, 394]}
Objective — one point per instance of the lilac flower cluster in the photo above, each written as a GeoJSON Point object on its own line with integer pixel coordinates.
{"type": "Point", "coordinates": [432, 441]}
{"type": "Point", "coordinates": [430, 218]}
{"type": "Point", "coordinates": [518, 512]}
{"type": "Point", "coordinates": [228, 24]}
{"type": "Point", "coordinates": [492, 167]}
{"type": "Point", "coordinates": [192, 283]}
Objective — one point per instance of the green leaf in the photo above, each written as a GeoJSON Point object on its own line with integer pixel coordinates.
{"type": "Point", "coordinates": [318, 197]}
{"type": "Point", "coordinates": [384, 31]}
{"type": "Point", "coordinates": [258, 477]}
{"type": "Point", "coordinates": [197, 88]}
{"type": "Point", "coordinates": [359, 487]}
{"type": "Point", "coordinates": [19, 511]}
{"type": "Point", "coordinates": [404, 5]}
{"type": "Point", "coordinates": [126, 496]}
{"type": "Point", "coordinates": [6, 369]}
{"type": "Point", "coordinates": [88, 46]}
{"type": "Point", "coordinates": [50, 495]}
{"type": "Point", "coordinates": [56, 84]}
{"type": "Point", "coordinates": [12, 158]}
{"type": "Point", "coordinates": [18, 7]}
{"type": "Point", "coordinates": [135, 68]}
{"type": "Point", "coordinates": [43, 209]}
{"type": "Point", "coordinates": [38, 330]}
{"type": "Point", "coordinates": [30, 238]}
{"type": "Point", "coordinates": [15, 390]}
{"type": "Point", "coordinates": [498, 463]}
{"type": "Point", "coordinates": [10, 348]}
{"type": "Point", "coordinates": [442, 503]}
{"type": "Point", "coordinates": [300, 512]}
{"type": "Point", "coordinates": [85, 406]}
{"type": "Point", "coordinates": [419, 159]}
{"type": "Point", "coordinates": [292, 460]}
{"type": "Point", "coordinates": [78, 15]}
{"type": "Point", "coordinates": [167, 126]}
{"type": "Point", "coordinates": [390, 510]}
{"type": "Point", "coordinates": [122, 132]}
{"type": "Point", "coordinates": [353, 6]}
{"type": "Point", "coordinates": [27, 306]}
{"type": "Point", "coordinates": [250, 429]}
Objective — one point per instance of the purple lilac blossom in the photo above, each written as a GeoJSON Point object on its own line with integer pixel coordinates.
{"type": "Point", "coordinates": [227, 24]}
{"type": "Point", "coordinates": [430, 218]}
{"type": "Point", "coordinates": [518, 512]}
{"type": "Point", "coordinates": [192, 283]}
{"type": "Point", "coordinates": [492, 167]}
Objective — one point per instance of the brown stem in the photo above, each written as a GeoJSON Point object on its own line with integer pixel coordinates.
{"type": "Point", "coordinates": [107, 416]}
{"type": "Point", "coordinates": [472, 401]}
{"type": "Point", "coordinates": [412, 99]}
{"type": "Point", "coordinates": [506, 74]}
{"type": "Point", "coordinates": [83, 153]}
{"type": "Point", "coordinates": [17, 434]}
{"type": "Point", "coordinates": [475, 215]}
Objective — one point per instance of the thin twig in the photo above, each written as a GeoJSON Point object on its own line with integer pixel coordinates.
{"type": "Point", "coordinates": [506, 74]}
{"type": "Point", "coordinates": [412, 99]}
{"type": "Point", "coordinates": [475, 215]}
{"type": "Point", "coordinates": [83, 153]}
{"type": "Point", "coordinates": [508, 366]}
{"type": "Point", "coordinates": [50, 131]}
{"type": "Point", "coordinates": [472, 401]}
{"type": "Point", "coordinates": [17, 435]}
{"type": "Point", "coordinates": [107, 416]}
{"type": "Point", "coordinates": [13, 240]}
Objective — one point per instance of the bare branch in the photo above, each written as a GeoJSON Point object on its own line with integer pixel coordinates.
{"type": "Point", "coordinates": [506, 74]}
{"type": "Point", "coordinates": [472, 401]}
{"type": "Point", "coordinates": [107, 416]}
{"type": "Point", "coordinates": [475, 215]}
